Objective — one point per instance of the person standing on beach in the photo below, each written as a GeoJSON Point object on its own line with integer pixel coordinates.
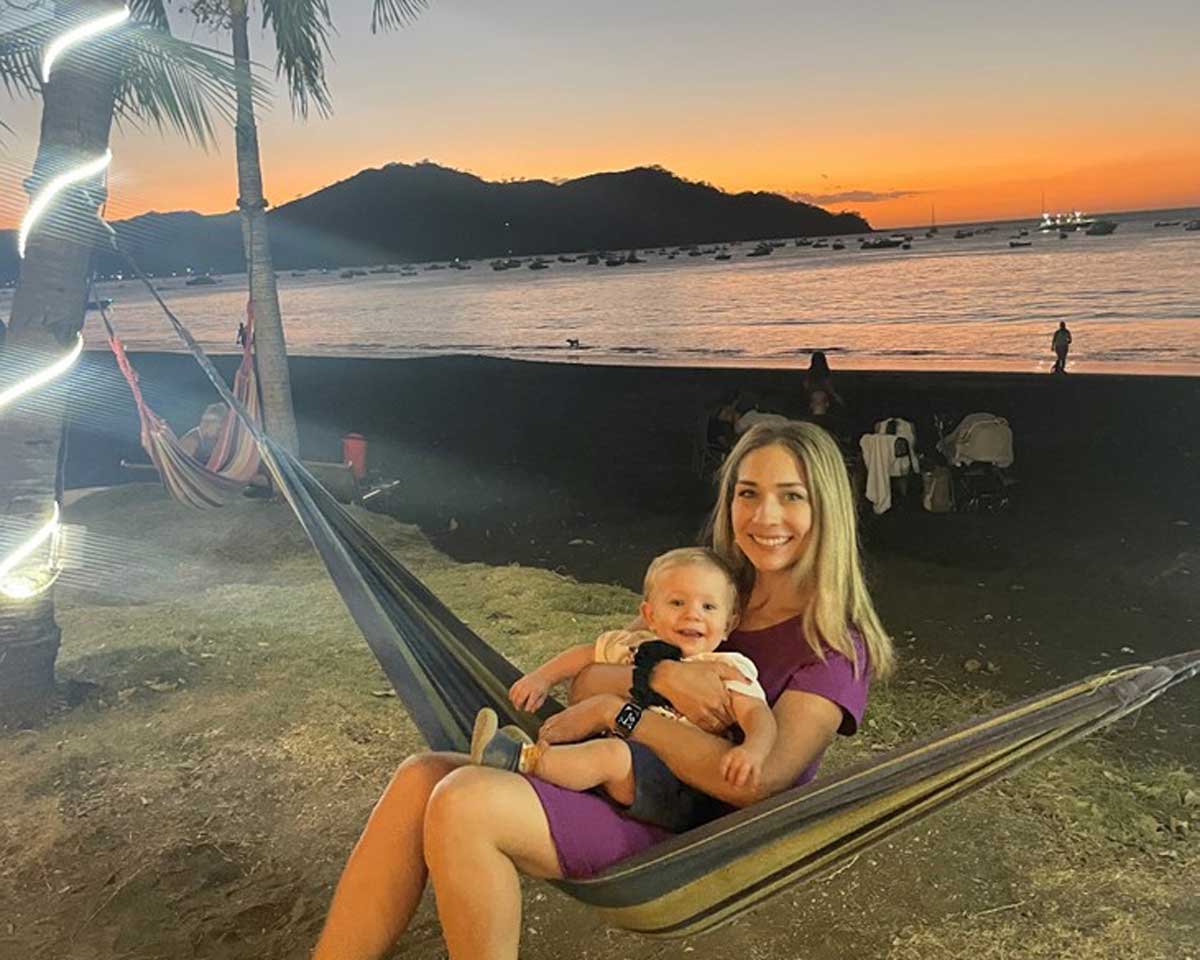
{"type": "Point", "coordinates": [1061, 344]}
{"type": "Point", "coordinates": [785, 523]}
{"type": "Point", "coordinates": [241, 335]}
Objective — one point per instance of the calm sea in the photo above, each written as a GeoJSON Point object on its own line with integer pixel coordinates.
{"type": "Point", "coordinates": [1131, 300]}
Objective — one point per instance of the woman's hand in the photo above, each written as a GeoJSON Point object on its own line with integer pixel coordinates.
{"type": "Point", "coordinates": [529, 692]}
{"type": "Point", "coordinates": [698, 691]}
{"type": "Point", "coordinates": [581, 720]}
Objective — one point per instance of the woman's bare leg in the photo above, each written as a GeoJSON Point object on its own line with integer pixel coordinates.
{"type": "Point", "coordinates": [382, 883]}
{"type": "Point", "coordinates": [603, 763]}
{"type": "Point", "coordinates": [482, 826]}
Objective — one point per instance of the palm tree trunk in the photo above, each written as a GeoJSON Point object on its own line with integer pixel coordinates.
{"type": "Point", "coordinates": [47, 313]}
{"type": "Point", "coordinates": [269, 345]}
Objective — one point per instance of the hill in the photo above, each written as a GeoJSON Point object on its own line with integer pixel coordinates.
{"type": "Point", "coordinates": [428, 212]}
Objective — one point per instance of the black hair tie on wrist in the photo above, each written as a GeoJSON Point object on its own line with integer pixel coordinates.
{"type": "Point", "coordinates": [648, 656]}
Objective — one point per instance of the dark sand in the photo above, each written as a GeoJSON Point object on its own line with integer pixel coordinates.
{"type": "Point", "coordinates": [588, 470]}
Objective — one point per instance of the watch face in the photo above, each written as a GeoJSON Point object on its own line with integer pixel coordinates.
{"type": "Point", "coordinates": [627, 719]}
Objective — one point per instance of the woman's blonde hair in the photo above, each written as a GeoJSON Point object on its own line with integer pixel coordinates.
{"type": "Point", "coordinates": [829, 571]}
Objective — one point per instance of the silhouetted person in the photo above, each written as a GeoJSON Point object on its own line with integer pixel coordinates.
{"type": "Point", "coordinates": [818, 376]}
{"type": "Point", "coordinates": [241, 335]}
{"type": "Point", "coordinates": [1061, 344]}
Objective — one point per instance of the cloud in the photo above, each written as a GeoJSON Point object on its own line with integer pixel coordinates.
{"type": "Point", "coordinates": [855, 196]}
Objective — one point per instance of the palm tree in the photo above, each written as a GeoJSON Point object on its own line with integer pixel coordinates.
{"type": "Point", "coordinates": [301, 29]}
{"type": "Point", "coordinates": [138, 72]}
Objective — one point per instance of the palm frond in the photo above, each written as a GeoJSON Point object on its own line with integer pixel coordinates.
{"type": "Point", "coordinates": [169, 82]}
{"type": "Point", "coordinates": [153, 12]}
{"type": "Point", "coordinates": [391, 14]}
{"type": "Point", "coordinates": [20, 58]}
{"type": "Point", "coordinates": [302, 29]}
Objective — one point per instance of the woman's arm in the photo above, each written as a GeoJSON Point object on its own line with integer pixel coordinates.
{"type": "Point", "coordinates": [806, 724]}
{"type": "Point", "coordinates": [696, 690]}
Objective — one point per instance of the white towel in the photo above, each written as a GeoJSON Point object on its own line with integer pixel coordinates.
{"type": "Point", "coordinates": [879, 453]}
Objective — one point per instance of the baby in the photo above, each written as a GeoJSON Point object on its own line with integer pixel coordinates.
{"type": "Point", "coordinates": [690, 602]}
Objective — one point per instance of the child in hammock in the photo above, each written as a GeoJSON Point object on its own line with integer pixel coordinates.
{"type": "Point", "coordinates": [689, 605]}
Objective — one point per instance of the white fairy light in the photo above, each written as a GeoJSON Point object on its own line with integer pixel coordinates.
{"type": "Point", "coordinates": [43, 376]}
{"type": "Point", "coordinates": [25, 586]}
{"type": "Point", "coordinates": [85, 31]}
{"type": "Point", "coordinates": [42, 201]}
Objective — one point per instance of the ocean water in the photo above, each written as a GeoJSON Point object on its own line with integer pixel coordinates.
{"type": "Point", "coordinates": [1131, 300]}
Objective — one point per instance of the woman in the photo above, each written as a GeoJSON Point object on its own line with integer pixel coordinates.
{"type": "Point", "coordinates": [785, 522]}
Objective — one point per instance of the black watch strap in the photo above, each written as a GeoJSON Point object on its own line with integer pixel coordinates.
{"type": "Point", "coordinates": [627, 719]}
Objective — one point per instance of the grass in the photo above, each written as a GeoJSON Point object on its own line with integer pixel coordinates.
{"type": "Point", "coordinates": [230, 732]}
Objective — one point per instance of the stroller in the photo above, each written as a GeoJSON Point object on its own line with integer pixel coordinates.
{"type": "Point", "coordinates": [980, 451]}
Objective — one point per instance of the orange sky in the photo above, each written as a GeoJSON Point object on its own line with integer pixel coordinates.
{"type": "Point", "coordinates": [975, 110]}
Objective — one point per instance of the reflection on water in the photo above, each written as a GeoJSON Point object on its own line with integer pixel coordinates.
{"type": "Point", "coordinates": [1131, 299]}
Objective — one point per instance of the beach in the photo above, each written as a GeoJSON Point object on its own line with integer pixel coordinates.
{"type": "Point", "coordinates": [224, 732]}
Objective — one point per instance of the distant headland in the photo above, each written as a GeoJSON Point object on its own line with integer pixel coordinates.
{"type": "Point", "coordinates": [423, 211]}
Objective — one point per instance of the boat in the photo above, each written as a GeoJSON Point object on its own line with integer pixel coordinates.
{"type": "Point", "coordinates": [435, 266]}
{"type": "Point", "coordinates": [408, 272]}
{"type": "Point", "coordinates": [837, 245]}
{"type": "Point", "coordinates": [881, 243]}
{"type": "Point", "coordinates": [593, 259]}
{"type": "Point", "coordinates": [614, 261]}
{"type": "Point", "coordinates": [803, 242]}
{"type": "Point", "coordinates": [1020, 243]}
{"type": "Point", "coordinates": [1192, 225]}
{"type": "Point", "coordinates": [1065, 222]}
{"type": "Point", "coordinates": [634, 258]}
{"type": "Point", "coordinates": [565, 259]}
{"type": "Point", "coordinates": [202, 280]}
{"type": "Point", "coordinates": [820, 244]}
{"type": "Point", "coordinates": [512, 262]}
{"type": "Point", "coordinates": [761, 249]}
{"type": "Point", "coordinates": [499, 264]}
{"type": "Point", "coordinates": [963, 234]}
{"type": "Point", "coordinates": [537, 263]}
{"type": "Point", "coordinates": [1167, 223]}
{"type": "Point", "coordinates": [348, 274]}
{"type": "Point", "coordinates": [933, 228]}
{"type": "Point", "coordinates": [460, 265]}
{"type": "Point", "coordinates": [723, 255]}
{"type": "Point", "coordinates": [1102, 228]}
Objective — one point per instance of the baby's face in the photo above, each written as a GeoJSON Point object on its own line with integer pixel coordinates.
{"type": "Point", "coordinates": [690, 606]}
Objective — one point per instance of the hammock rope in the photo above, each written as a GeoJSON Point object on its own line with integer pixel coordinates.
{"type": "Point", "coordinates": [443, 672]}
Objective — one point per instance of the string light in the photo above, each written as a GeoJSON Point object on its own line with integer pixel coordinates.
{"type": "Point", "coordinates": [25, 586]}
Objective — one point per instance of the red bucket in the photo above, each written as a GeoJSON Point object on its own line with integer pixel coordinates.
{"type": "Point", "coordinates": [354, 452]}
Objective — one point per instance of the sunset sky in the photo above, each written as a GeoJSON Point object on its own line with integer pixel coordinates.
{"type": "Point", "coordinates": [882, 107]}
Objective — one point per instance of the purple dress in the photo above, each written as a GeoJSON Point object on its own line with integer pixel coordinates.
{"type": "Point", "coordinates": [590, 833]}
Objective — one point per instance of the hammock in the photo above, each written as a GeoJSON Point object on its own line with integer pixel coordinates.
{"type": "Point", "coordinates": [695, 881]}
{"type": "Point", "coordinates": [234, 460]}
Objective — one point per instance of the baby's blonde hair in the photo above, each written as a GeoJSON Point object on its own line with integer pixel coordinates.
{"type": "Point", "coordinates": [688, 556]}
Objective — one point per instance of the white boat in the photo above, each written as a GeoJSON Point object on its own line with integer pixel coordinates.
{"type": "Point", "coordinates": [1065, 222]}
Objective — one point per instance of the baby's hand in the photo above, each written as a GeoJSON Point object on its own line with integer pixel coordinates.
{"type": "Point", "coordinates": [529, 692]}
{"type": "Point", "coordinates": [742, 767]}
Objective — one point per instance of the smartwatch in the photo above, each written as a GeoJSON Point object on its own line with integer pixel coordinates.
{"type": "Point", "coordinates": [627, 718]}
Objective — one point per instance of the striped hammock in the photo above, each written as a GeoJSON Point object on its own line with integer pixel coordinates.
{"type": "Point", "coordinates": [234, 460]}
